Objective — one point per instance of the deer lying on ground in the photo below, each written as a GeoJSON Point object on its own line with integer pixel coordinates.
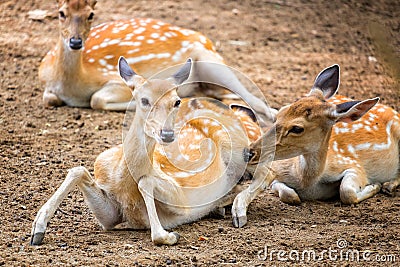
{"type": "Point", "coordinates": [160, 178]}
{"type": "Point", "coordinates": [325, 146]}
{"type": "Point", "coordinates": [81, 70]}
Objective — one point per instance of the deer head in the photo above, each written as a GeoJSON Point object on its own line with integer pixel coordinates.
{"type": "Point", "coordinates": [75, 17]}
{"type": "Point", "coordinates": [304, 127]}
{"type": "Point", "coordinates": [157, 100]}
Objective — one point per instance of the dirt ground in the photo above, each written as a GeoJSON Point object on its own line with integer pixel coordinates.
{"type": "Point", "coordinates": [281, 46]}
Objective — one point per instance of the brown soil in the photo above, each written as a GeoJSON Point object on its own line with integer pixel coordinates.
{"type": "Point", "coordinates": [284, 44]}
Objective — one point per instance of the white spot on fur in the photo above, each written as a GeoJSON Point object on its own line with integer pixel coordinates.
{"type": "Point", "coordinates": [147, 57]}
{"type": "Point", "coordinates": [351, 149]}
{"type": "Point", "coordinates": [114, 41]}
{"type": "Point", "coordinates": [133, 51]}
{"type": "Point", "coordinates": [186, 32]}
{"type": "Point", "coordinates": [139, 30]}
{"type": "Point", "coordinates": [335, 146]}
{"type": "Point", "coordinates": [130, 43]}
{"type": "Point", "coordinates": [203, 39]}
{"type": "Point", "coordinates": [364, 146]}
{"type": "Point", "coordinates": [356, 127]}
{"type": "Point", "coordinates": [185, 43]}
{"type": "Point", "coordinates": [102, 62]}
{"type": "Point", "coordinates": [341, 130]}
{"type": "Point", "coordinates": [384, 146]}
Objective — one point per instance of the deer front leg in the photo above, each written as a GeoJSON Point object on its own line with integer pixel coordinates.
{"type": "Point", "coordinates": [390, 187]}
{"type": "Point", "coordinates": [261, 180]}
{"type": "Point", "coordinates": [354, 187]}
{"type": "Point", "coordinates": [114, 95]}
{"type": "Point", "coordinates": [105, 209]}
{"type": "Point", "coordinates": [147, 186]}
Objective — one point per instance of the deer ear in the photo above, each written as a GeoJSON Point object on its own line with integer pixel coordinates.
{"type": "Point", "coordinates": [245, 109]}
{"type": "Point", "coordinates": [353, 110]}
{"type": "Point", "coordinates": [183, 73]}
{"type": "Point", "coordinates": [92, 3]}
{"type": "Point", "coordinates": [327, 81]}
{"type": "Point", "coordinates": [61, 2]}
{"type": "Point", "coordinates": [128, 75]}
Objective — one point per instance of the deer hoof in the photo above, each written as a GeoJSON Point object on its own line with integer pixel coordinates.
{"type": "Point", "coordinates": [37, 239]}
{"type": "Point", "coordinates": [218, 213]}
{"type": "Point", "coordinates": [240, 221]}
{"type": "Point", "coordinates": [170, 239]}
{"type": "Point", "coordinates": [177, 236]}
{"type": "Point", "coordinates": [389, 188]}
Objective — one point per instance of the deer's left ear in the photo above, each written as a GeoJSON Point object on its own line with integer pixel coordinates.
{"type": "Point", "coordinates": [327, 81]}
{"type": "Point", "coordinates": [92, 3]}
{"type": "Point", "coordinates": [183, 73]}
{"type": "Point", "coordinates": [353, 110]}
{"type": "Point", "coordinates": [127, 74]}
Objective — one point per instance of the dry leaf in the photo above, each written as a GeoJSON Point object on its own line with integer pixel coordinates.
{"type": "Point", "coordinates": [203, 238]}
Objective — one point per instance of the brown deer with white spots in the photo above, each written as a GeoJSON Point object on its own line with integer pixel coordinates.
{"type": "Point", "coordinates": [327, 145]}
{"type": "Point", "coordinates": [81, 70]}
{"type": "Point", "coordinates": [165, 173]}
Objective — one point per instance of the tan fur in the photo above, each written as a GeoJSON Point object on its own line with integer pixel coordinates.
{"type": "Point", "coordinates": [88, 77]}
{"type": "Point", "coordinates": [350, 152]}
{"type": "Point", "coordinates": [143, 182]}
{"type": "Point", "coordinates": [369, 146]}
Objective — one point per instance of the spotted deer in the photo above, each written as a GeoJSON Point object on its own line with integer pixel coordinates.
{"type": "Point", "coordinates": [327, 145]}
{"type": "Point", "coordinates": [81, 70]}
{"type": "Point", "coordinates": [180, 160]}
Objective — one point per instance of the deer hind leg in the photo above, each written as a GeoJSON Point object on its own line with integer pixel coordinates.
{"type": "Point", "coordinates": [389, 188]}
{"type": "Point", "coordinates": [113, 96]}
{"type": "Point", "coordinates": [355, 188]}
{"type": "Point", "coordinates": [105, 209]}
{"type": "Point", "coordinates": [261, 180]}
{"type": "Point", "coordinates": [285, 193]}
{"type": "Point", "coordinates": [208, 69]}
{"type": "Point", "coordinates": [147, 186]}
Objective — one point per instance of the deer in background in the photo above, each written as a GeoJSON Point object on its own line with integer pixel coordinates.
{"type": "Point", "coordinates": [325, 146]}
{"type": "Point", "coordinates": [160, 177]}
{"type": "Point", "coordinates": [81, 70]}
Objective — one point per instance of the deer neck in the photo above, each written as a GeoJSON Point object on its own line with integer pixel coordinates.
{"type": "Point", "coordinates": [68, 63]}
{"type": "Point", "coordinates": [311, 166]}
{"type": "Point", "coordinates": [138, 149]}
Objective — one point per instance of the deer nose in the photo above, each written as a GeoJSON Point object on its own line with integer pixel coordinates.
{"type": "Point", "coordinates": [167, 136]}
{"type": "Point", "coordinates": [75, 43]}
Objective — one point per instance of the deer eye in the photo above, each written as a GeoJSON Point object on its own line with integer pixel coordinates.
{"type": "Point", "coordinates": [296, 130]}
{"type": "Point", "coordinates": [177, 103]}
{"type": "Point", "coordinates": [91, 16]}
{"type": "Point", "coordinates": [145, 102]}
{"type": "Point", "coordinates": [61, 15]}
